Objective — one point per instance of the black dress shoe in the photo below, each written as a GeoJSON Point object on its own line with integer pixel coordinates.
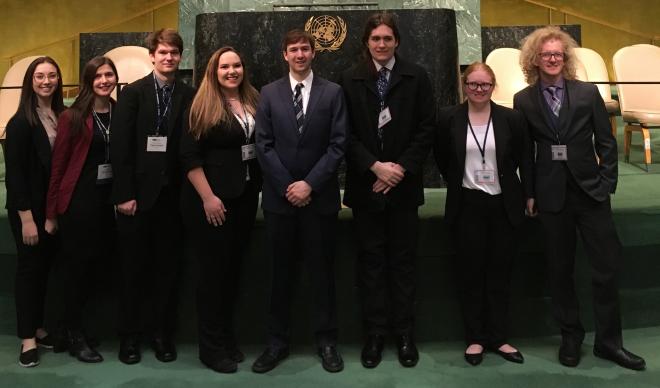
{"type": "Point", "coordinates": [164, 349]}
{"type": "Point", "coordinates": [269, 359]}
{"type": "Point", "coordinates": [408, 354]}
{"type": "Point", "coordinates": [224, 365]}
{"type": "Point", "coordinates": [372, 351]}
{"type": "Point", "coordinates": [29, 358]}
{"type": "Point", "coordinates": [474, 359]}
{"type": "Point", "coordinates": [79, 348]}
{"type": "Point", "coordinates": [129, 351]}
{"type": "Point", "coordinates": [569, 353]}
{"type": "Point", "coordinates": [622, 357]}
{"type": "Point", "coordinates": [330, 358]}
{"type": "Point", "coordinates": [235, 354]}
{"type": "Point", "coordinates": [516, 356]}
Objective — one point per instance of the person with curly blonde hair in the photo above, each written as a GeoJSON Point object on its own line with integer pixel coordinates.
{"type": "Point", "coordinates": [574, 173]}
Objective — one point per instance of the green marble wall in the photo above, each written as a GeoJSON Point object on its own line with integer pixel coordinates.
{"type": "Point", "coordinates": [468, 19]}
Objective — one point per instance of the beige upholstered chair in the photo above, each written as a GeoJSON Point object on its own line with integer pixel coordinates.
{"type": "Point", "coordinates": [9, 98]}
{"type": "Point", "coordinates": [132, 63]}
{"type": "Point", "coordinates": [640, 104]}
{"type": "Point", "coordinates": [596, 71]}
{"type": "Point", "coordinates": [505, 63]}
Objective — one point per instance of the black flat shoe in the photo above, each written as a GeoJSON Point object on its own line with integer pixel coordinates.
{"type": "Point", "coordinates": [269, 359]}
{"type": "Point", "coordinates": [236, 355]}
{"type": "Point", "coordinates": [622, 357]}
{"type": "Point", "coordinates": [164, 349]}
{"type": "Point", "coordinates": [516, 356]}
{"type": "Point", "coordinates": [129, 351]}
{"type": "Point", "coordinates": [29, 358]}
{"type": "Point", "coordinates": [80, 349]}
{"type": "Point", "coordinates": [474, 359]}
{"type": "Point", "coordinates": [408, 354]}
{"type": "Point", "coordinates": [225, 365]}
{"type": "Point", "coordinates": [330, 358]}
{"type": "Point", "coordinates": [372, 352]}
{"type": "Point", "coordinates": [569, 353]}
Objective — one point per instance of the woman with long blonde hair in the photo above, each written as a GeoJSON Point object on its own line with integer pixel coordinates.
{"type": "Point", "coordinates": [219, 199]}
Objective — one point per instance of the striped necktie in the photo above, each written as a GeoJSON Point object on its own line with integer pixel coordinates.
{"type": "Point", "coordinates": [298, 106]}
{"type": "Point", "coordinates": [555, 102]}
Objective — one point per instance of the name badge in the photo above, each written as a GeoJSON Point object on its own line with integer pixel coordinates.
{"type": "Point", "coordinates": [248, 151]}
{"type": "Point", "coordinates": [104, 173]}
{"type": "Point", "coordinates": [157, 144]}
{"type": "Point", "coordinates": [384, 117]}
{"type": "Point", "coordinates": [485, 176]}
{"type": "Point", "coordinates": [559, 152]}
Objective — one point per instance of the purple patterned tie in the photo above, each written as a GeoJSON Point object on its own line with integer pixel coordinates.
{"type": "Point", "coordinates": [298, 106]}
{"type": "Point", "coordinates": [555, 102]}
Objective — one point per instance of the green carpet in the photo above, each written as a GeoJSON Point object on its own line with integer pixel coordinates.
{"type": "Point", "coordinates": [441, 365]}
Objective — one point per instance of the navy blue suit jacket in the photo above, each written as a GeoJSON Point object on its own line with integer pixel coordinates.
{"type": "Point", "coordinates": [314, 156]}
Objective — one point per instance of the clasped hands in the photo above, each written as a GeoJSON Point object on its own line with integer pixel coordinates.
{"type": "Point", "coordinates": [299, 193]}
{"type": "Point", "coordinates": [389, 175]}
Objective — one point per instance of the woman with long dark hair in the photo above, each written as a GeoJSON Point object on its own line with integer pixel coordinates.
{"type": "Point", "coordinates": [79, 194]}
{"type": "Point", "coordinates": [219, 199]}
{"type": "Point", "coordinates": [31, 133]}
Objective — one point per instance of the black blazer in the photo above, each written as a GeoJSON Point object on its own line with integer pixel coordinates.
{"type": "Point", "coordinates": [314, 156]}
{"type": "Point", "coordinates": [27, 162]}
{"type": "Point", "coordinates": [406, 139]}
{"type": "Point", "coordinates": [219, 154]}
{"type": "Point", "coordinates": [138, 174]}
{"type": "Point", "coordinates": [511, 143]}
{"type": "Point", "coordinates": [585, 129]}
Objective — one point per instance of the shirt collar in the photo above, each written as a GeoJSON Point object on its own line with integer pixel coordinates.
{"type": "Point", "coordinates": [160, 83]}
{"type": "Point", "coordinates": [389, 65]}
{"type": "Point", "coordinates": [559, 84]}
{"type": "Point", "coordinates": [307, 82]}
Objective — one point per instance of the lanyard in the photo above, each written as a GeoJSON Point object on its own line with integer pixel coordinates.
{"type": "Point", "coordinates": [243, 120]}
{"type": "Point", "coordinates": [105, 132]}
{"type": "Point", "coordinates": [160, 117]}
{"type": "Point", "coordinates": [482, 150]}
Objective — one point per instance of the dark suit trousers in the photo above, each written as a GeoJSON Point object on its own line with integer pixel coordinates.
{"type": "Point", "coordinates": [88, 239]}
{"type": "Point", "coordinates": [593, 221]}
{"type": "Point", "coordinates": [151, 248]}
{"type": "Point", "coordinates": [311, 238]}
{"type": "Point", "coordinates": [220, 252]}
{"type": "Point", "coordinates": [485, 249]}
{"type": "Point", "coordinates": [32, 270]}
{"type": "Point", "coordinates": [387, 248]}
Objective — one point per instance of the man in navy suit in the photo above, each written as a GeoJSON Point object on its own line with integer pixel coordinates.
{"type": "Point", "coordinates": [301, 129]}
{"type": "Point", "coordinates": [575, 172]}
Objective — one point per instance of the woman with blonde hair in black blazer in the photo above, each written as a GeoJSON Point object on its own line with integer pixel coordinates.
{"type": "Point", "coordinates": [219, 199]}
{"type": "Point", "coordinates": [479, 147]}
{"type": "Point", "coordinates": [30, 134]}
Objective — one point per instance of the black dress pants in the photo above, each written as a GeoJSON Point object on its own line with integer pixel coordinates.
{"type": "Point", "coordinates": [32, 271]}
{"type": "Point", "coordinates": [387, 249]}
{"type": "Point", "coordinates": [151, 248]}
{"type": "Point", "coordinates": [309, 237]}
{"type": "Point", "coordinates": [485, 250]}
{"type": "Point", "coordinates": [88, 238]}
{"type": "Point", "coordinates": [220, 253]}
{"type": "Point", "coordinates": [593, 221]}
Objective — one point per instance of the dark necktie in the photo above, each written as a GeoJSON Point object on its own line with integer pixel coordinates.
{"type": "Point", "coordinates": [298, 106]}
{"type": "Point", "coordinates": [382, 84]}
{"type": "Point", "coordinates": [555, 102]}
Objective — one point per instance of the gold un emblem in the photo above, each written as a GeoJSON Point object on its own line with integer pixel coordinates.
{"type": "Point", "coordinates": [329, 31]}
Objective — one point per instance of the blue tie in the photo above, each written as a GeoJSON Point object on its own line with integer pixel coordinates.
{"type": "Point", "coordinates": [555, 102]}
{"type": "Point", "coordinates": [298, 106]}
{"type": "Point", "coordinates": [382, 84]}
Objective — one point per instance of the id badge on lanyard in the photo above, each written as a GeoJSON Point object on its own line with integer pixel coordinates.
{"type": "Point", "coordinates": [559, 152]}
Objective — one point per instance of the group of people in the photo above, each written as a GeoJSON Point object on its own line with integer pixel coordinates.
{"type": "Point", "coordinates": [164, 158]}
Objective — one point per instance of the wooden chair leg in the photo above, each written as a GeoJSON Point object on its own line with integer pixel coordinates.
{"type": "Point", "coordinates": [647, 146]}
{"type": "Point", "coordinates": [613, 125]}
{"type": "Point", "coordinates": [627, 135]}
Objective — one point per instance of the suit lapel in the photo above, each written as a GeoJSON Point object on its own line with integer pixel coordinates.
{"type": "Point", "coordinates": [500, 134]}
{"type": "Point", "coordinates": [42, 145]}
{"type": "Point", "coordinates": [150, 104]}
{"type": "Point", "coordinates": [315, 95]}
{"type": "Point", "coordinates": [566, 113]}
{"type": "Point", "coordinates": [177, 97]}
{"type": "Point", "coordinates": [286, 97]}
{"type": "Point", "coordinates": [540, 106]}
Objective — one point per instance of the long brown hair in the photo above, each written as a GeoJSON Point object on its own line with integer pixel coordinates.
{"type": "Point", "coordinates": [28, 102]}
{"type": "Point", "coordinates": [84, 103]}
{"type": "Point", "coordinates": [209, 107]}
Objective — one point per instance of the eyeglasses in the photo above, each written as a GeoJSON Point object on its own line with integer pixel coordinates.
{"type": "Point", "coordinates": [546, 55]}
{"type": "Point", "coordinates": [42, 77]}
{"type": "Point", "coordinates": [476, 85]}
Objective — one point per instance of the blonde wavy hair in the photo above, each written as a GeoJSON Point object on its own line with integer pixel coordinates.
{"type": "Point", "coordinates": [530, 49]}
{"type": "Point", "coordinates": [209, 107]}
